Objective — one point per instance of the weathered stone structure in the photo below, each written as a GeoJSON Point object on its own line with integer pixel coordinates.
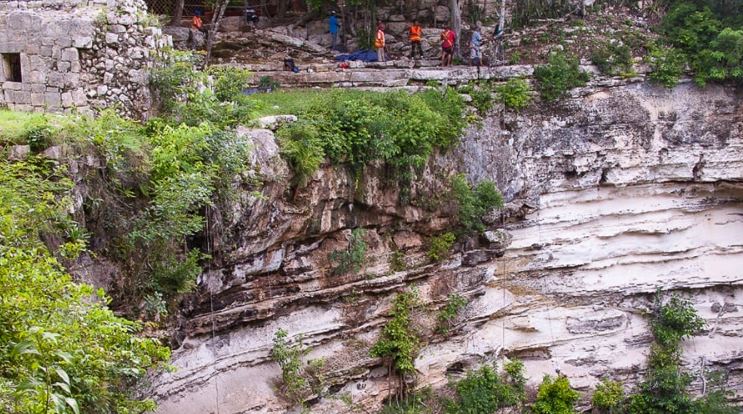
{"type": "Point", "coordinates": [83, 55]}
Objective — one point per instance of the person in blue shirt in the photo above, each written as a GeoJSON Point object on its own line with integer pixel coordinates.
{"type": "Point", "coordinates": [334, 25]}
{"type": "Point", "coordinates": [475, 45]}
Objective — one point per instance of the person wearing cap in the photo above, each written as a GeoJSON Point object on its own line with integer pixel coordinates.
{"type": "Point", "coordinates": [333, 29]}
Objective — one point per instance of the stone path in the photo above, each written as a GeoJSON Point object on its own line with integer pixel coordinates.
{"type": "Point", "coordinates": [398, 73]}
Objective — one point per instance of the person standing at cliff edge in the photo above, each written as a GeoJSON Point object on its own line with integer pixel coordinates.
{"type": "Point", "coordinates": [475, 43]}
{"type": "Point", "coordinates": [379, 42]}
{"type": "Point", "coordinates": [447, 46]}
{"type": "Point", "coordinates": [333, 26]}
{"type": "Point", "coordinates": [416, 33]}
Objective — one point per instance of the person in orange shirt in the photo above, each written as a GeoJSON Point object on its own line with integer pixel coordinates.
{"type": "Point", "coordinates": [379, 42]}
{"type": "Point", "coordinates": [416, 33]}
{"type": "Point", "coordinates": [196, 22]}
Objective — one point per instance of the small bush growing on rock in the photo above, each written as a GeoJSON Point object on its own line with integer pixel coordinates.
{"type": "Point", "coordinates": [484, 391]}
{"type": "Point", "coordinates": [399, 343]}
{"type": "Point", "coordinates": [397, 261]}
{"type": "Point", "coordinates": [667, 66]}
{"type": "Point", "coordinates": [559, 75]}
{"type": "Point", "coordinates": [297, 380]}
{"type": "Point", "coordinates": [482, 97]}
{"type": "Point", "coordinates": [440, 246]}
{"type": "Point", "coordinates": [608, 397]}
{"type": "Point", "coordinates": [472, 205]}
{"type": "Point", "coordinates": [302, 147]}
{"type": "Point", "coordinates": [449, 313]}
{"type": "Point", "coordinates": [555, 396]}
{"type": "Point", "coordinates": [515, 94]}
{"type": "Point", "coordinates": [229, 82]}
{"type": "Point", "coordinates": [613, 58]}
{"type": "Point", "coordinates": [353, 257]}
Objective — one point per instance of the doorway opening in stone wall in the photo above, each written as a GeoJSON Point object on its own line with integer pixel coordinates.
{"type": "Point", "coordinates": [12, 67]}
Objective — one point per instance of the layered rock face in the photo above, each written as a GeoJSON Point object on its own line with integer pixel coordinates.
{"type": "Point", "coordinates": [612, 193]}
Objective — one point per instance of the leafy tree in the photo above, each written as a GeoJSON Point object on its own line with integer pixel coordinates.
{"type": "Point", "coordinates": [555, 396]}
{"type": "Point", "coordinates": [399, 342]}
{"type": "Point", "coordinates": [665, 387]}
{"type": "Point", "coordinates": [61, 349]}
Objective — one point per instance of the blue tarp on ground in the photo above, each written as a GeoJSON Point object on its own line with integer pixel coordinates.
{"type": "Point", "coordinates": [365, 55]}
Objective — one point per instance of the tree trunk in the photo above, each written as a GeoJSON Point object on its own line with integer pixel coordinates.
{"type": "Point", "coordinates": [502, 16]}
{"type": "Point", "coordinates": [220, 7]}
{"type": "Point", "coordinates": [456, 23]}
{"type": "Point", "coordinates": [177, 13]}
{"type": "Point", "coordinates": [281, 12]}
{"type": "Point", "coordinates": [345, 20]}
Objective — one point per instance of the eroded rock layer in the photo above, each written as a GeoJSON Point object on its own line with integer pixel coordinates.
{"type": "Point", "coordinates": [611, 193]}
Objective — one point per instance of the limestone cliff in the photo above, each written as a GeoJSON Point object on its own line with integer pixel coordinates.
{"type": "Point", "coordinates": [618, 190]}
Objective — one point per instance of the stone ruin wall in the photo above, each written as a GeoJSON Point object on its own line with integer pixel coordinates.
{"type": "Point", "coordinates": [79, 55]}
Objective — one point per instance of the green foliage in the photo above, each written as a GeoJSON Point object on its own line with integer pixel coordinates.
{"type": "Point", "coordinates": [302, 147]}
{"type": "Point", "coordinates": [559, 75]}
{"type": "Point", "coordinates": [397, 261]}
{"type": "Point", "coordinates": [440, 246]}
{"type": "Point", "coordinates": [613, 58]}
{"type": "Point", "coordinates": [358, 128]}
{"type": "Point", "coordinates": [481, 94]}
{"type": "Point", "coordinates": [673, 321]}
{"type": "Point", "coordinates": [229, 82]}
{"type": "Point", "coordinates": [483, 391]}
{"type": "Point", "coordinates": [608, 397]}
{"type": "Point", "coordinates": [399, 342]}
{"type": "Point", "coordinates": [708, 38]}
{"type": "Point", "coordinates": [555, 396]}
{"type": "Point", "coordinates": [665, 387]}
{"type": "Point", "coordinates": [472, 205]}
{"type": "Point", "coordinates": [667, 66]}
{"type": "Point", "coordinates": [450, 312]}
{"type": "Point", "coordinates": [294, 386]}
{"type": "Point", "coordinates": [515, 94]}
{"type": "Point", "coordinates": [62, 350]}
{"type": "Point", "coordinates": [189, 96]}
{"type": "Point", "coordinates": [353, 257]}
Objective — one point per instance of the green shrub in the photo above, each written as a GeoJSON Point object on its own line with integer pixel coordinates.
{"type": "Point", "coordinates": [665, 386]}
{"type": "Point", "coordinates": [397, 261]}
{"type": "Point", "coordinates": [515, 94]}
{"type": "Point", "coordinates": [559, 75]}
{"type": "Point", "coordinates": [440, 246]}
{"type": "Point", "coordinates": [303, 149]}
{"type": "Point", "coordinates": [555, 396]}
{"type": "Point", "coordinates": [399, 342]}
{"type": "Point", "coordinates": [484, 391]}
{"type": "Point", "coordinates": [613, 58]}
{"type": "Point", "coordinates": [38, 136]}
{"type": "Point", "coordinates": [482, 97]}
{"type": "Point", "coordinates": [294, 385]}
{"type": "Point", "coordinates": [356, 128]}
{"type": "Point", "coordinates": [229, 82]}
{"type": "Point", "coordinates": [472, 205]}
{"type": "Point", "coordinates": [353, 257]}
{"type": "Point", "coordinates": [449, 313]}
{"type": "Point", "coordinates": [62, 349]}
{"type": "Point", "coordinates": [667, 66]}
{"type": "Point", "coordinates": [608, 397]}
{"type": "Point", "coordinates": [708, 37]}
